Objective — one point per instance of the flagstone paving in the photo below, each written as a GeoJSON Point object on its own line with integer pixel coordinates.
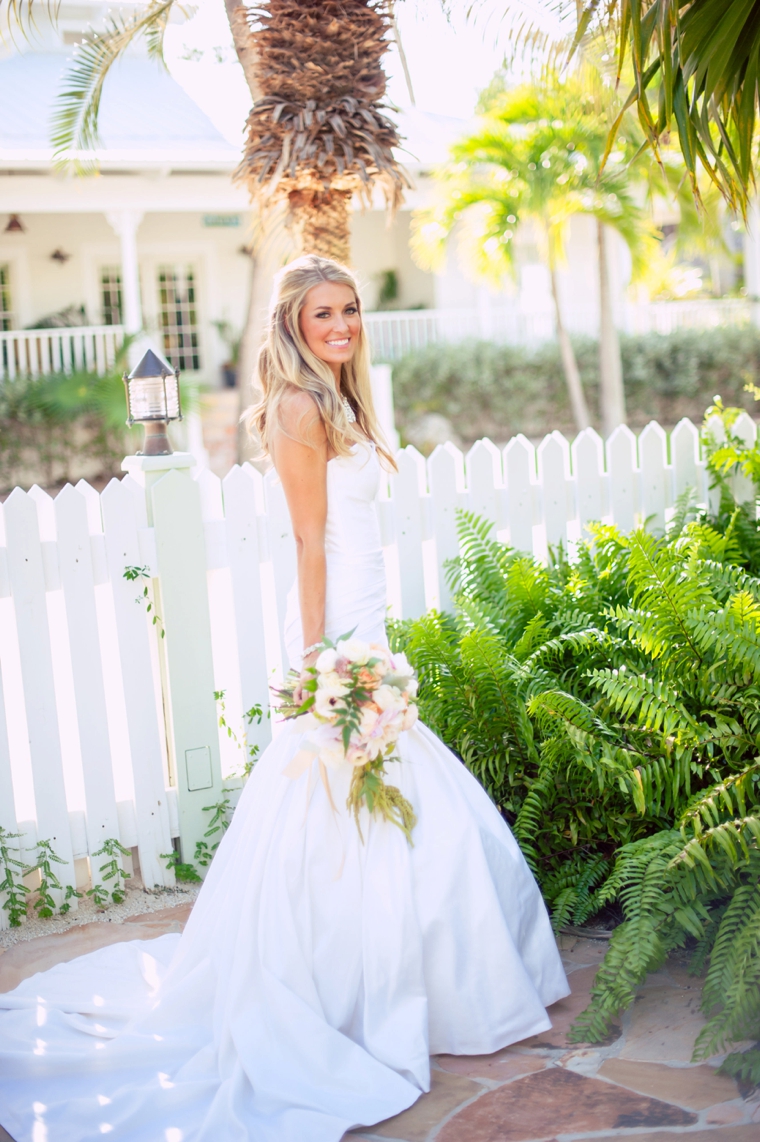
{"type": "Point", "coordinates": [639, 1085]}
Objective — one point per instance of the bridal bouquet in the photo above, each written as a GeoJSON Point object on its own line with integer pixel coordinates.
{"type": "Point", "coordinates": [358, 699]}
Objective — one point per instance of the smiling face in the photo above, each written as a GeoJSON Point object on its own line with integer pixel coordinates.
{"type": "Point", "coordinates": [330, 323]}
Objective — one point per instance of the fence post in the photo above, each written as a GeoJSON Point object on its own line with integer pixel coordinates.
{"type": "Point", "coordinates": [181, 602]}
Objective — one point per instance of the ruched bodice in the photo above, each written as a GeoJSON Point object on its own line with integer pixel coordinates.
{"type": "Point", "coordinates": [356, 593]}
{"type": "Point", "coordinates": [352, 530]}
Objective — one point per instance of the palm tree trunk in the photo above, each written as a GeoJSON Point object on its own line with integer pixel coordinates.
{"type": "Point", "coordinates": [611, 395]}
{"type": "Point", "coordinates": [322, 222]}
{"type": "Point", "coordinates": [569, 363]}
{"type": "Point", "coordinates": [237, 16]}
{"type": "Point", "coordinates": [273, 246]}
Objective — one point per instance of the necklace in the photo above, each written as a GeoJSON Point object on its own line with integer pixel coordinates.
{"type": "Point", "coordinates": [350, 414]}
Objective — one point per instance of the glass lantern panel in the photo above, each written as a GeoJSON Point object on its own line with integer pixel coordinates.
{"type": "Point", "coordinates": [172, 397]}
{"type": "Point", "coordinates": [146, 398]}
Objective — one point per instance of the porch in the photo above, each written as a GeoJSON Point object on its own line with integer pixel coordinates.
{"type": "Point", "coordinates": [392, 333]}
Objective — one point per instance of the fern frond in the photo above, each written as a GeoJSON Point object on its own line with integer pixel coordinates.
{"type": "Point", "coordinates": [724, 797]}
{"type": "Point", "coordinates": [732, 634]}
{"type": "Point", "coordinates": [648, 703]}
{"type": "Point", "coordinates": [664, 593]}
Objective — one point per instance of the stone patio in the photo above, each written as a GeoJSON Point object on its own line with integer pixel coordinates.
{"type": "Point", "coordinates": [640, 1085]}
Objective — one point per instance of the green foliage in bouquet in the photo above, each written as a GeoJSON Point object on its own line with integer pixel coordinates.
{"type": "Point", "coordinates": [611, 708]}
{"type": "Point", "coordinates": [368, 786]}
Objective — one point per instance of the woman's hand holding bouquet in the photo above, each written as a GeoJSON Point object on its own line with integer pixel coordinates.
{"type": "Point", "coordinates": [354, 703]}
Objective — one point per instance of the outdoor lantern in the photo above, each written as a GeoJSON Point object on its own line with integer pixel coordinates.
{"type": "Point", "coordinates": [153, 400]}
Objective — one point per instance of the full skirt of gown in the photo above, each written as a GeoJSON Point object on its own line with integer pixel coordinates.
{"type": "Point", "coordinates": [318, 971]}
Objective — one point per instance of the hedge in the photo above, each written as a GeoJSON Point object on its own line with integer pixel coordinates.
{"type": "Point", "coordinates": [488, 389]}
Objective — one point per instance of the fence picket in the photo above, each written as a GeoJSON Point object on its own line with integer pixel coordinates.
{"type": "Point", "coordinates": [28, 590]}
{"type": "Point", "coordinates": [408, 492]}
{"type": "Point", "coordinates": [212, 511]}
{"type": "Point", "coordinates": [243, 499]}
{"type": "Point", "coordinates": [554, 477]}
{"type": "Point", "coordinates": [74, 556]}
{"type": "Point", "coordinates": [7, 801]}
{"type": "Point", "coordinates": [282, 549]}
{"type": "Point", "coordinates": [655, 479]}
{"type": "Point", "coordinates": [520, 481]}
{"type": "Point", "coordinates": [120, 519]}
{"type": "Point", "coordinates": [485, 481]}
{"type": "Point", "coordinates": [688, 471]}
{"type": "Point", "coordinates": [743, 487]}
{"type": "Point", "coordinates": [446, 476]}
{"type": "Point", "coordinates": [587, 453]}
{"type": "Point", "coordinates": [623, 475]}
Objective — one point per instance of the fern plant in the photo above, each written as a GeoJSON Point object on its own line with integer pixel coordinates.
{"type": "Point", "coordinates": [610, 705]}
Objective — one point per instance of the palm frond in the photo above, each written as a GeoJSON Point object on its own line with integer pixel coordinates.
{"type": "Point", "coordinates": [75, 122]}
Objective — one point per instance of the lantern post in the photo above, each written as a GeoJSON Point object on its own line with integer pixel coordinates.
{"type": "Point", "coordinates": [175, 544]}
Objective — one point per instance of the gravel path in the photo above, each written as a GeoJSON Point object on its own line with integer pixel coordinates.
{"type": "Point", "coordinates": [138, 901]}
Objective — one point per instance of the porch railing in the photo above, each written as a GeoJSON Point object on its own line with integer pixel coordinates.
{"type": "Point", "coordinates": [38, 352]}
{"type": "Point", "coordinates": [394, 333]}
{"type": "Point", "coordinates": [93, 348]}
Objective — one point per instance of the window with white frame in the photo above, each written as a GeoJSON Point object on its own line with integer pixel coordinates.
{"type": "Point", "coordinates": [178, 316]}
{"type": "Point", "coordinates": [110, 295]}
{"type": "Point", "coordinates": [6, 301]}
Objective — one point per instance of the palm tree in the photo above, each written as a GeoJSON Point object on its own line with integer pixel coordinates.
{"type": "Point", "coordinates": [316, 134]}
{"type": "Point", "coordinates": [535, 157]}
{"type": "Point", "coordinates": [698, 63]}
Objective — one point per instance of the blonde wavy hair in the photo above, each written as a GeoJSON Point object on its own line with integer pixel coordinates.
{"type": "Point", "coordinates": [285, 362]}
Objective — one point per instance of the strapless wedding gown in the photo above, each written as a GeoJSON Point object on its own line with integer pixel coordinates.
{"type": "Point", "coordinates": [316, 973]}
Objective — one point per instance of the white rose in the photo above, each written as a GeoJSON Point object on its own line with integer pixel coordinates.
{"type": "Point", "coordinates": [410, 717]}
{"type": "Point", "coordinates": [332, 684]}
{"type": "Point", "coordinates": [412, 687]}
{"type": "Point", "coordinates": [402, 666]}
{"type": "Point", "coordinates": [387, 698]}
{"type": "Point", "coordinates": [368, 721]}
{"type": "Point", "coordinates": [326, 661]}
{"type": "Point", "coordinates": [354, 650]}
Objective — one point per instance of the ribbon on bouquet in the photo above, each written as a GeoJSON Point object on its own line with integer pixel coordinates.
{"type": "Point", "coordinates": [301, 762]}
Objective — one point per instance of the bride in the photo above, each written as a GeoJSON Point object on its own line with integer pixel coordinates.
{"type": "Point", "coordinates": [320, 968]}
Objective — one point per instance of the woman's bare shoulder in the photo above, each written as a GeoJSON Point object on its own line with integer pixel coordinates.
{"type": "Point", "coordinates": [299, 416]}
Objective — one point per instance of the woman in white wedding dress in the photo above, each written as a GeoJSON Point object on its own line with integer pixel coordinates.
{"type": "Point", "coordinates": [318, 971]}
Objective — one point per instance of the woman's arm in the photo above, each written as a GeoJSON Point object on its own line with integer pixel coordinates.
{"type": "Point", "coordinates": [302, 468]}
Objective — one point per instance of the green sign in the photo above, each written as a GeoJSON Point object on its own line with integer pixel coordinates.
{"type": "Point", "coordinates": [221, 219]}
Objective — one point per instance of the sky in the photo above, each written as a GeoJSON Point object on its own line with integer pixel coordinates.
{"type": "Point", "coordinates": [450, 61]}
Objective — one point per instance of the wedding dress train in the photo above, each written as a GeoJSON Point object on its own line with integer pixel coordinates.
{"type": "Point", "coordinates": [317, 971]}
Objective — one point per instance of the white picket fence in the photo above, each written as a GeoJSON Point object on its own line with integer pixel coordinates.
{"type": "Point", "coordinates": [108, 730]}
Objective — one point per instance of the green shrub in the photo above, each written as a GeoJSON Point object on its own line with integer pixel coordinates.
{"type": "Point", "coordinates": [611, 708]}
{"type": "Point", "coordinates": [494, 390]}
{"type": "Point", "coordinates": [54, 427]}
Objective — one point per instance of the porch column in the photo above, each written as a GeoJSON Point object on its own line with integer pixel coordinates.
{"type": "Point", "coordinates": [125, 224]}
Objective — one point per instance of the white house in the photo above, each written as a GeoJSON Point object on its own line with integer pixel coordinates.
{"type": "Point", "coordinates": [157, 237]}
